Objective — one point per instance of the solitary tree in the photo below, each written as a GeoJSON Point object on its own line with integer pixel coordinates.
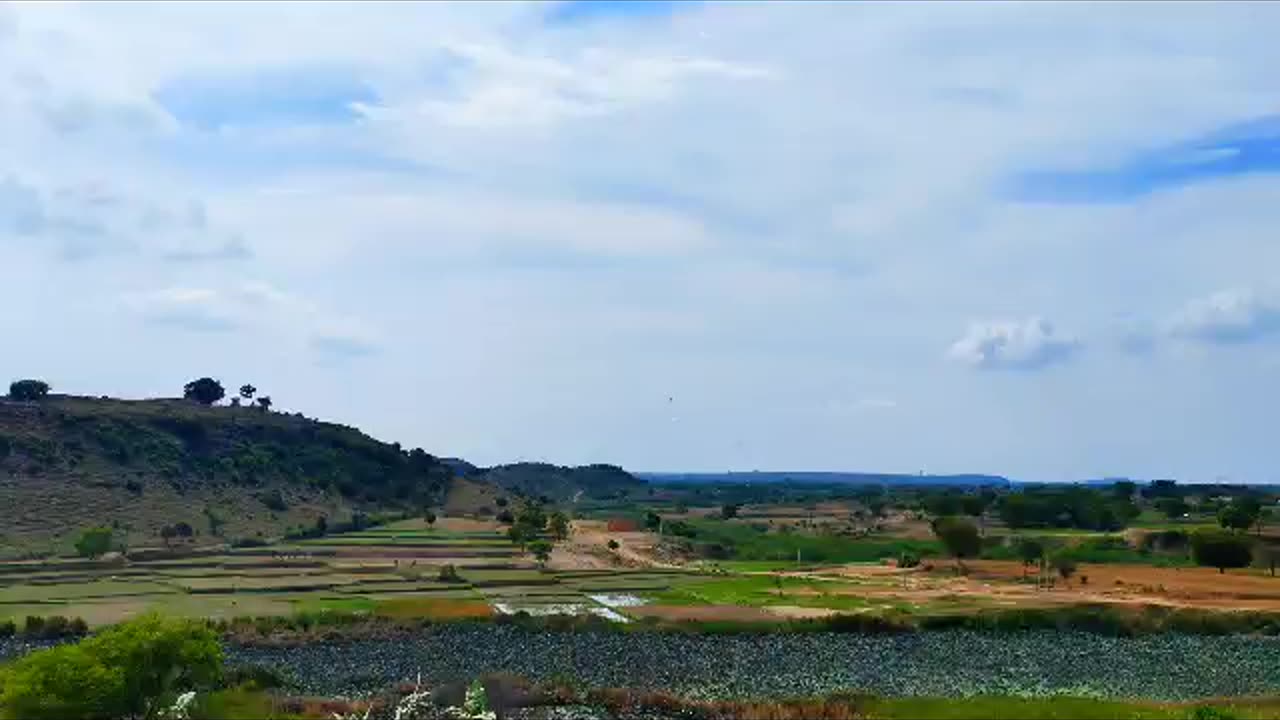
{"type": "Point", "coordinates": [1065, 566]}
{"type": "Point", "coordinates": [1214, 548]}
{"type": "Point", "coordinates": [541, 550]}
{"type": "Point", "coordinates": [960, 536]}
{"type": "Point", "coordinates": [205, 391]}
{"type": "Point", "coordinates": [519, 535]}
{"type": "Point", "coordinates": [558, 525]}
{"type": "Point", "coordinates": [28, 389]}
{"type": "Point", "coordinates": [264, 402]}
{"type": "Point", "coordinates": [94, 542]}
{"type": "Point", "coordinates": [247, 391]}
{"type": "Point", "coordinates": [613, 545]}
{"type": "Point", "coordinates": [1030, 551]}
{"type": "Point", "coordinates": [652, 521]}
{"type": "Point", "coordinates": [430, 517]}
{"type": "Point", "coordinates": [730, 510]}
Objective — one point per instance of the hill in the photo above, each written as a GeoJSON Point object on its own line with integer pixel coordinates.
{"type": "Point", "coordinates": [827, 478]}
{"type": "Point", "coordinates": [559, 483]}
{"type": "Point", "coordinates": [70, 462]}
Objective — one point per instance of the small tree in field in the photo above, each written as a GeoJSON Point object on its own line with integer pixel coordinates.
{"type": "Point", "coordinates": [558, 525]}
{"type": "Point", "coordinates": [1065, 566]}
{"type": "Point", "coordinates": [205, 391]}
{"type": "Point", "coordinates": [730, 511]}
{"type": "Point", "coordinates": [430, 517]}
{"type": "Point", "coordinates": [613, 545]}
{"type": "Point", "coordinates": [541, 550]}
{"type": "Point", "coordinates": [247, 391]}
{"type": "Point", "coordinates": [1215, 548]}
{"type": "Point", "coordinates": [94, 542]}
{"type": "Point", "coordinates": [28, 389]}
{"type": "Point", "coordinates": [1030, 551]}
{"type": "Point", "coordinates": [960, 537]}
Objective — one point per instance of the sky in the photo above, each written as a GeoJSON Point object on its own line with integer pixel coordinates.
{"type": "Point", "coordinates": [1035, 239]}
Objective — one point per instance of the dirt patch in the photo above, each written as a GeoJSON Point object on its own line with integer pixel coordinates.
{"type": "Point", "coordinates": [795, 611]}
{"type": "Point", "coordinates": [735, 613]}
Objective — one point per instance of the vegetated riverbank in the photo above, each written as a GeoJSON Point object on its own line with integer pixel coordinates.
{"type": "Point", "coordinates": [932, 663]}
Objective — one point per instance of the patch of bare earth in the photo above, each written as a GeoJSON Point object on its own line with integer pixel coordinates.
{"type": "Point", "coordinates": [803, 613]}
{"type": "Point", "coordinates": [736, 613]}
{"type": "Point", "coordinates": [587, 548]}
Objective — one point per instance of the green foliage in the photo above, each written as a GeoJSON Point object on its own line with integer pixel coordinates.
{"type": "Point", "coordinates": [94, 542]}
{"type": "Point", "coordinates": [558, 525]}
{"type": "Point", "coordinates": [1209, 712]}
{"type": "Point", "coordinates": [729, 510]}
{"type": "Point", "coordinates": [1241, 514]}
{"type": "Point", "coordinates": [1172, 507]}
{"type": "Point", "coordinates": [247, 391]}
{"type": "Point", "coordinates": [125, 671]}
{"type": "Point", "coordinates": [1064, 564]}
{"type": "Point", "coordinates": [1215, 548]}
{"type": "Point", "coordinates": [908, 559]}
{"type": "Point", "coordinates": [274, 500]}
{"type": "Point", "coordinates": [429, 517]}
{"type": "Point", "coordinates": [28, 389]}
{"type": "Point", "coordinates": [1070, 507]}
{"type": "Point", "coordinates": [1030, 550]}
{"type": "Point", "coordinates": [959, 535]}
{"type": "Point", "coordinates": [613, 544]}
{"type": "Point", "coordinates": [449, 574]}
{"type": "Point", "coordinates": [541, 550]}
{"type": "Point", "coordinates": [205, 391]}
{"type": "Point", "coordinates": [652, 521]}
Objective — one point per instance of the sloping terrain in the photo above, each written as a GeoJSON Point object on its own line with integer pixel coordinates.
{"type": "Point", "coordinates": [70, 462]}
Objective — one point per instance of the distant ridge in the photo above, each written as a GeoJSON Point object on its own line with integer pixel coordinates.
{"type": "Point", "coordinates": [827, 478]}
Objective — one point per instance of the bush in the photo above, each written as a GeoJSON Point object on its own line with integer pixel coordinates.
{"type": "Point", "coordinates": [94, 542]}
{"type": "Point", "coordinates": [613, 545]}
{"type": "Point", "coordinates": [124, 671]}
{"type": "Point", "coordinates": [908, 559]}
{"type": "Point", "coordinates": [8, 629]}
{"type": "Point", "coordinates": [449, 574]}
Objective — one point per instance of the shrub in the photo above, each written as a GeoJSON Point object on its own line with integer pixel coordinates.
{"type": "Point", "coordinates": [908, 559]}
{"type": "Point", "coordinates": [449, 574]}
{"type": "Point", "coordinates": [8, 628]}
{"type": "Point", "coordinates": [123, 671]}
{"type": "Point", "coordinates": [274, 500]}
{"type": "Point", "coordinates": [1209, 712]}
{"type": "Point", "coordinates": [613, 545]}
{"type": "Point", "coordinates": [94, 542]}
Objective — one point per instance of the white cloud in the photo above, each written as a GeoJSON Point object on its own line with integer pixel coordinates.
{"type": "Point", "coordinates": [1234, 316]}
{"type": "Point", "coordinates": [1013, 345]}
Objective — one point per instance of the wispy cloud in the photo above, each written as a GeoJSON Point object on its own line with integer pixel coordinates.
{"type": "Point", "coordinates": [1241, 149]}
{"type": "Point", "coordinates": [1229, 317]}
{"type": "Point", "coordinates": [1031, 344]}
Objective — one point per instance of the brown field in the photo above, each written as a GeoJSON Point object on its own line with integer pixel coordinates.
{"type": "Point", "coordinates": [1002, 583]}
{"type": "Point", "coordinates": [434, 608]}
{"type": "Point", "coordinates": [738, 613]}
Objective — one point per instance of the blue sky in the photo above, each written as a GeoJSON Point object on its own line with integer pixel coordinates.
{"type": "Point", "coordinates": [1023, 238]}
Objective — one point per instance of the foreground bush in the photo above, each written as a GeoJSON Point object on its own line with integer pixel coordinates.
{"type": "Point", "coordinates": [127, 671]}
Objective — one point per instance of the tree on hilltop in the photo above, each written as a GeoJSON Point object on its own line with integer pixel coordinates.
{"type": "Point", "coordinates": [28, 389]}
{"type": "Point", "coordinates": [205, 391]}
{"type": "Point", "coordinates": [247, 391]}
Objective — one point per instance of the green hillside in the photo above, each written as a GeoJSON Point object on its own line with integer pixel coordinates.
{"type": "Point", "coordinates": [229, 472]}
